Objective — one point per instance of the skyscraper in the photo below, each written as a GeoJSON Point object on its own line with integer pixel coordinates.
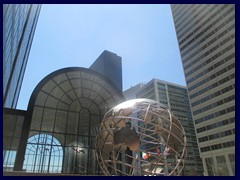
{"type": "Point", "coordinates": [206, 37]}
{"type": "Point", "coordinates": [174, 97]}
{"type": "Point", "coordinates": [19, 24]}
{"type": "Point", "coordinates": [110, 65]}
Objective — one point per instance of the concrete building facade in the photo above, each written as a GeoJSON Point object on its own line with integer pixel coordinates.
{"type": "Point", "coordinates": [206, 38]}
{"type": "Point", "coordinates": [174, 97]}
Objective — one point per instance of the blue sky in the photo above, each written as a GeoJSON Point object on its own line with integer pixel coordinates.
{"type": "Point", "coordinates": [75, 35]}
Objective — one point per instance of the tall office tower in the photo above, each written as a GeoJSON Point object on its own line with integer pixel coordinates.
{"type": "Point", "coordinates": [175, 97]}
{"type": "Point", "coordinates": [110, 65]}
{"type": "Point", "coordinates": [19, 24]}
{"type": "Point", "coordinates": [206, 37]}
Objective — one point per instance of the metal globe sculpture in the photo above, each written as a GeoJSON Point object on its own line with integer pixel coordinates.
{"type": "Point", "coordinates": [141, 137]}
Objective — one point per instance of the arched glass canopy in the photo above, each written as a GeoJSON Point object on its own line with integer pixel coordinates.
{"type": "Point", "coordinates": [68, 105]}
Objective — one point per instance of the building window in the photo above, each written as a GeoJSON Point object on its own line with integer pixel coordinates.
{"type": "Point", "coordinates": [12, 129]}
{"type": "Point", "coordinates": [209, 164]}
{"type": "Point", "coordinates": [44, 154]}
{"type": "Point", "coordinates": [221, 167]}
{"type": "Point", "coordinates": [232, 162]}
{"type": "Point", "coordinates": [8, 159]}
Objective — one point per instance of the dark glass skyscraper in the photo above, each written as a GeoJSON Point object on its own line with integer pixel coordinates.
{"type": "Point", "coordinates": [206, 37]}
{"type": "Point", "coordinates": [110, 65]}
{"type": "Point", "coordinates": [19, 24]}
